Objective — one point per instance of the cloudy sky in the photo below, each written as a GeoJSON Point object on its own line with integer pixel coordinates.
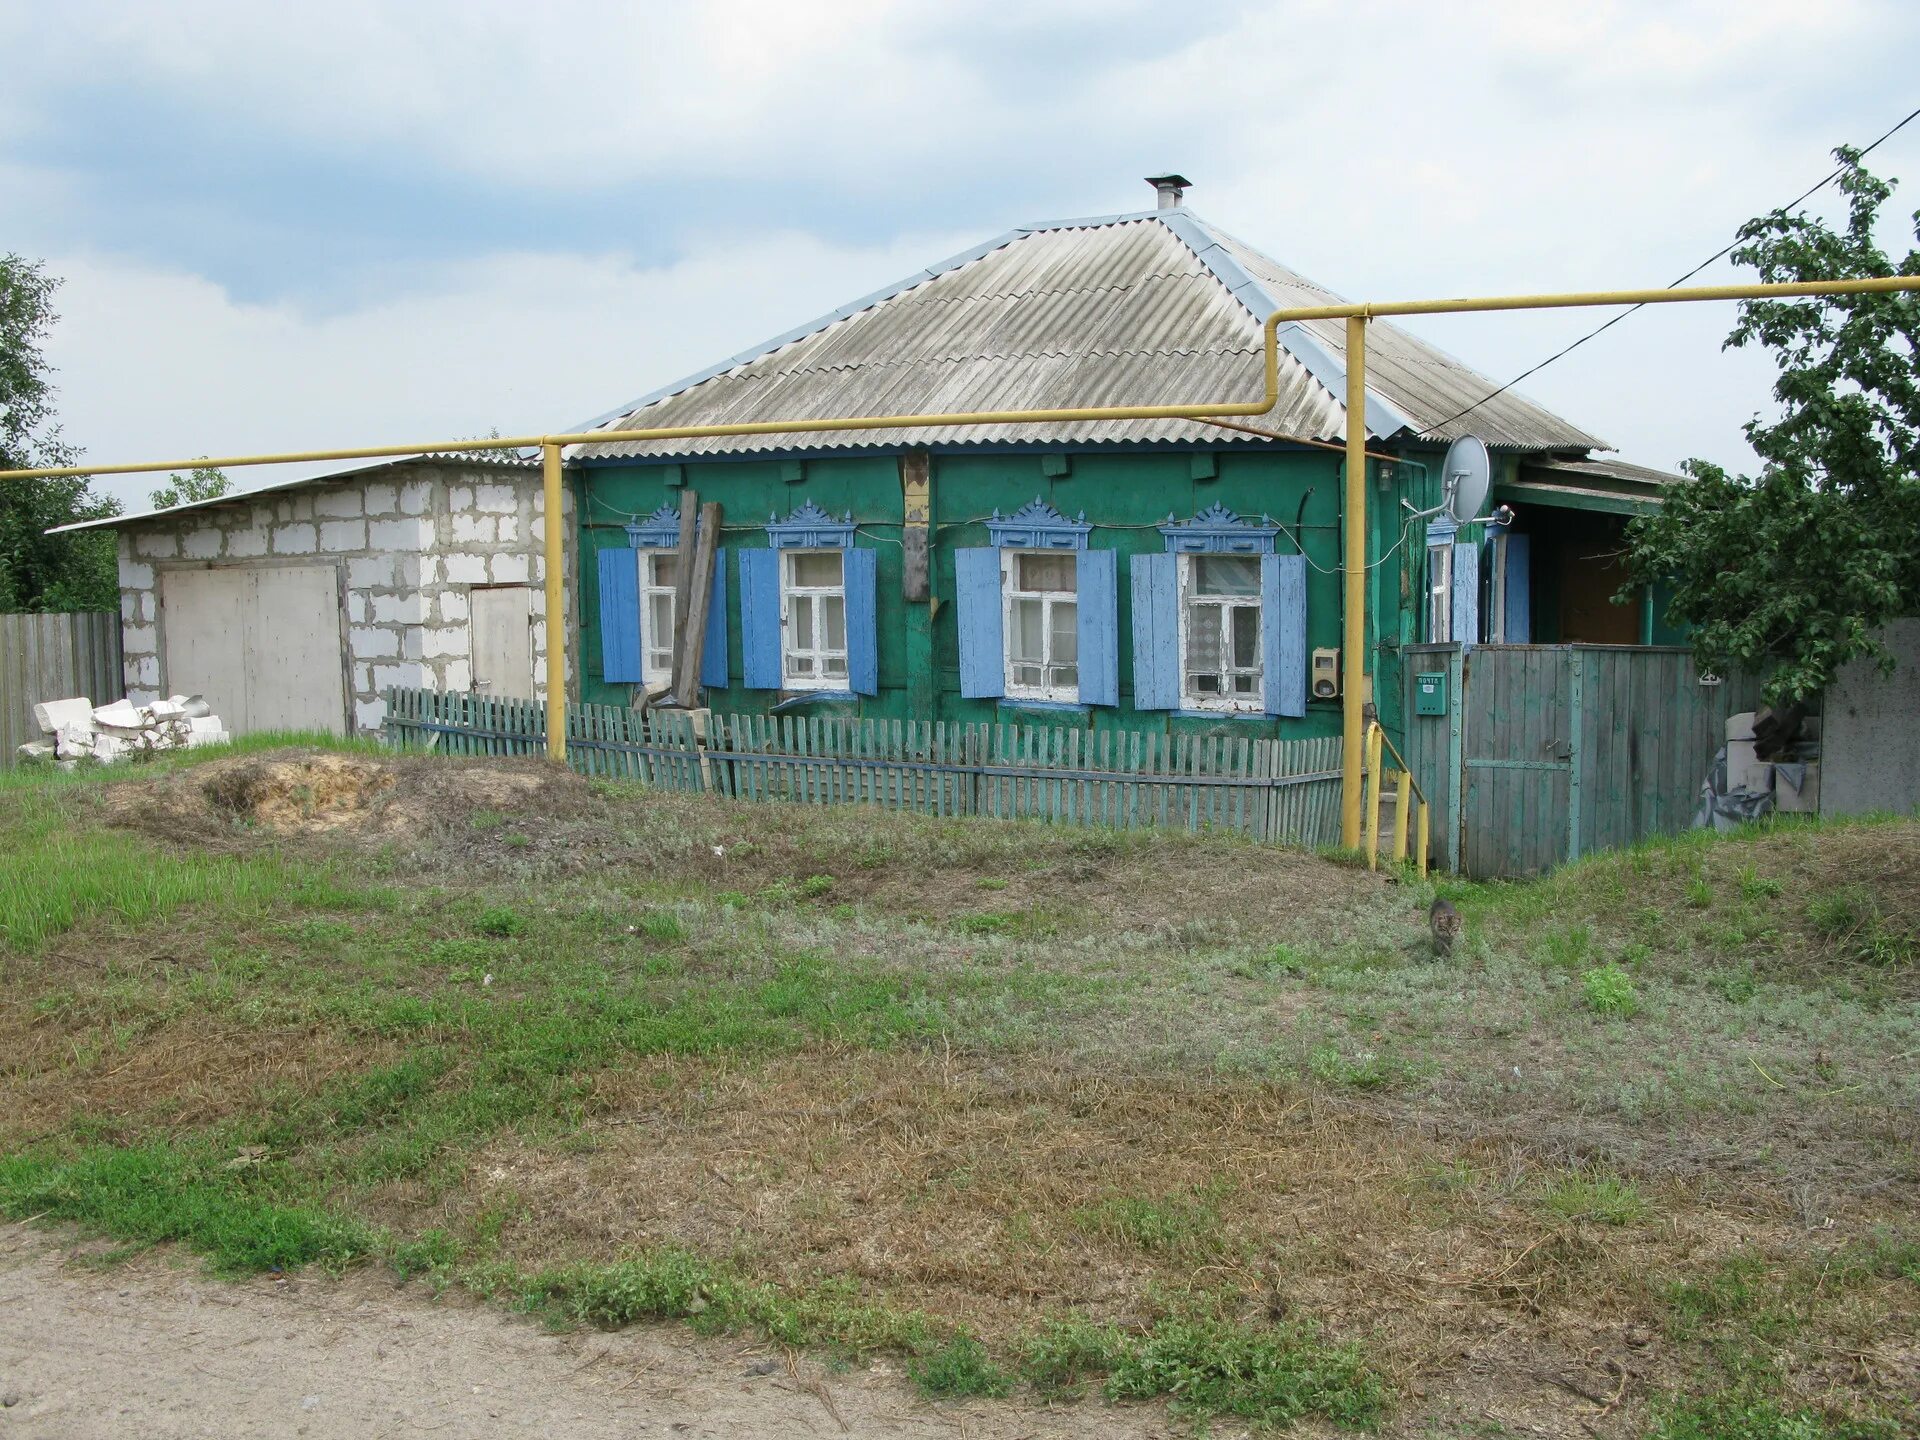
{"type": "Point", "coordinates": [310, 224]}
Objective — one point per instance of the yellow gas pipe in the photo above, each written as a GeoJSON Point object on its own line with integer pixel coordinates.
{"type": "Point", "coordinates": [1353, 661]}
{"type": "Point", "coordinates": [1353, 604]}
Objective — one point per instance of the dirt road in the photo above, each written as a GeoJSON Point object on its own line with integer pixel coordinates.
{"type": "Point", "coordinates": [158, 1349]}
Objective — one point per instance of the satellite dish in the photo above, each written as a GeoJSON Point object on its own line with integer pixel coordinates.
{"type": "Point", "coordinates": [1468, 475]}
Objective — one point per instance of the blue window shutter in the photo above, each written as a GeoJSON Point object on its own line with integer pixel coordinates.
{"type": "Point", "coordinates": [1519, 616]}
{"type": "Point", "coordinates": [976, 601]}
{"type": "Point", "coordinates": [1283, 633]}
{"type": "Point", "coordinates": [863, 621]}
{"type": "Point", "coordinates": [1156, 632]}
{"type": "Point", "coordinates": [1099, 628]}
{"type": "Point", "coordinates": [619, 615]}
{"type": "Point", "coordinates": [760, 619]}
{"type": "Point", "coordinates": [713, 654]}
{"type": "Point", "coordinates": [1466, 592]}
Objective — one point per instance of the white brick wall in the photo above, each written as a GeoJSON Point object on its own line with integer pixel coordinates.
{"type": "Point", "coordinates": [411, 546]}
{"type": "Point", "coordinates": [465, 569]}
{"type": "Point", "coordinates": [343, 535]}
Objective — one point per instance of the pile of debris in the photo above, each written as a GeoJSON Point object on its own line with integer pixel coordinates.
{"type": "Point", "coordinates": [1771, 763]}
{"type": "Point", "coordinates": [77, 730]}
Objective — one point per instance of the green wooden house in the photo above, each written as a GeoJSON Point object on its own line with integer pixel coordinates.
{"type": "Point", "coordinates": [1173, 575]}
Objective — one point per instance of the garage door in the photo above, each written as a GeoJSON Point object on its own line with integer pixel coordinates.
{"type": "Point", "coordinates": [261, 643]}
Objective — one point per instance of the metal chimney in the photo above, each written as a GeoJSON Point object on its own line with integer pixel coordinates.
{"type": "Point", "coordinates": [1170, 188]}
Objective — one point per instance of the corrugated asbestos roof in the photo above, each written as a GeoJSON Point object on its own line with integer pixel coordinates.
{"type": "Point", "coordinates": [1591, 470]}
{"type": "Point", "coordinates": [1145, 309]}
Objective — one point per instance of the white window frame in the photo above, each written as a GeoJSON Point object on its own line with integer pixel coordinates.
{"type": "Point", "coordinates": [1440, 594]}
{"type": "Point", "coordinates": [790, 646]}
{"type": "Point", "coordinates": [649, 641]}
{"type": "Point", "coordinates": [1009, 593]}
{"type": "Point", "coordinates": [1254, 704]}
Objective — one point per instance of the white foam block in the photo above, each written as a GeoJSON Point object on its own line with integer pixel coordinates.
{"type": "Point", "coordinates": [120, 715]}
{"type": "Point", "coordinates": [1745, 770]}
{"type": "Point", "coordinates": [52, 715]}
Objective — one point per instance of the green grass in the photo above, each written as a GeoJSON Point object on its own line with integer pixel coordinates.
{"type": "Point", "coordinates": [156, 1192]}
{"type": "Point", "coordinates": [1179, 1224]}
{"type": "Point", "coordinates": [1270, 1376]}
{"type": "Point", "coordinates": [1609, 991]}
{"type": "Point", "coordinates": [1740, 1416]}
{"type": "Point", "coordinates": [961, 1368]}
{"type": "Point", "coordinates": [1606, 1199]}
{"type": "Point", "coordinates": [1061, 1357]}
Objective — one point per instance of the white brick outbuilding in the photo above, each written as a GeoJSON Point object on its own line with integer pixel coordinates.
{"type": "Point", "coordinates": [297, 606]}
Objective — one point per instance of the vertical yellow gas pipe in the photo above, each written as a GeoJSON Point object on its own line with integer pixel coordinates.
{"type": "Point", "coordinates": [556, 542]}
{"type": "Point", "coordinates": [1353, 660]}
{"type": "Point", "coordinates": [1402, 802]}
{"type": "Point", "coordinates": [1371, 836]}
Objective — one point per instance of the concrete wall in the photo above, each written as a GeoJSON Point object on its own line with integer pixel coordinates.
{"type": "Point", "coordinates": [409, 541]}
{"type": "Point", "coordinates": [1870, 732]}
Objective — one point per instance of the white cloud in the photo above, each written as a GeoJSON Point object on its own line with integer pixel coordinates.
{"type": "Point", "coordinates": [155, 364]}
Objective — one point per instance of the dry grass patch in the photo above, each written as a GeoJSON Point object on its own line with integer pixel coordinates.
{"type": "Point", "coordinates": [998, 1193]}
{"type": "Point", "coordinates": [167, 1076]}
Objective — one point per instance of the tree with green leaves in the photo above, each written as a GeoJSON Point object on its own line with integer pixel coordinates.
{"type": "Point", "coordinates": [1792, 572]}
{"type": "Point", "coordinates": [39, 571]}
{"type": "Point", "coordinates": [206, 482]}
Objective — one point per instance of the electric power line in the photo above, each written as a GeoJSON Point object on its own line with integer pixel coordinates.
{"type": "Point", "coordinates": [1615, 320]}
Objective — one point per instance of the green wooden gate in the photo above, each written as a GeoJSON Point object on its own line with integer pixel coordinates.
{"type": "Point", "coordinates": [1549, 752]}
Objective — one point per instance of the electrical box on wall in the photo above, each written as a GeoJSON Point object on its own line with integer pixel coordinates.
{"type": "Point", "coordinates": [1430, 693]}
{"type": "Point", "coordinates": [1326, 674]}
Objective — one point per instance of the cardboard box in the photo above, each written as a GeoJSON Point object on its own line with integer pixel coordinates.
{"type": "Point", "coordinates": [1740, 727]}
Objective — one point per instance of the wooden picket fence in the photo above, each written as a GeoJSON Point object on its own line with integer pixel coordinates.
{"type": "Point", "coordinates": [1286, 791]}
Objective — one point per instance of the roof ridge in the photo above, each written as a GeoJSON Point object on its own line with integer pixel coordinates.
{"type": "Point", "coordinates": [968, 357]}
{"type": "Point", "coordinates": [1382, 416]}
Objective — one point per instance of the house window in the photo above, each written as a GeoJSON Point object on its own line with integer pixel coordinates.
{"type": "Point", "coordinates": [1042, 621]}
{"type": "Point", "coordinates": [1440, 593]}
{"type": "Point", "coordinates": [813, 620]}
{"type": "Point", "coordinates": [659, 570]}
{"type": "Point", "coordinates": [1220, 661]}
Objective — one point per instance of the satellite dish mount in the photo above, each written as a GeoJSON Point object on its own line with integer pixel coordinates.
{"type": "Point", "coordinates": [1466, 477]}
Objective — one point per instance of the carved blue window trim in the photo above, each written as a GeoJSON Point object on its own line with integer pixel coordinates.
{"type": "Point", "coordinates": [1216, 530]}
{"type": "Point", "coordinates": [659, 531]}
{"type": "Point", "coordinates": [1036, 525]}
{"type": "Point", "coordinates": [810, 528]}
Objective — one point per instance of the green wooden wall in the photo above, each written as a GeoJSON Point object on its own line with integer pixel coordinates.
{"type": "Point", "coordinates": [1124, 495]}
